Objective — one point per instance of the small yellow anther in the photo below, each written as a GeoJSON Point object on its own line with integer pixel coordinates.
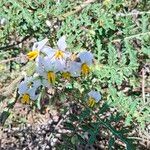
{"type": "Point", "coordinates": [25, 99]}
{"type": "Point", "coordinates": [51, 76]}
{"type": "Point", "coordinates": [33, 54]}
{"type": "Point", "coordinates": [59, 54]}
{"type": "Point", "coordinates": [85, 69]}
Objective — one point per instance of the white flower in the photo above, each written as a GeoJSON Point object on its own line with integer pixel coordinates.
{"type": "Point", "coordinates": [55, 65]}
{"type": "Point", "coordinates": [27, 89]}
{"type": "Point", "coordinates": [62, 45]}
{"type": "Point", "coordinates": [24, 85]}
{"type": "Point", "coordinates": [95, 95]}
{"type": "Point", "coordinates": [39, 65]}
{"type": "Point", "coordinates": [60, 52]}
{"type": "Point", "coordinates": [46, 84]}
{"type": "Point", "coordinates": [37, 47]}
{"type": "Point", "coordinates": [86, 60]}
{"type": "Point", "coordinates": [72, 70]}
{"type": "Point", "coordinates": [48, 68]}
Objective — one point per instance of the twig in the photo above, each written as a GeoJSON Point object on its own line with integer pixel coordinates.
{"type": "Point", "coordinates": [76, 9]}
{"type": "Point", "coordinates": [147, 90]}
{"type": "Point", "coordinates": [132, 13]}
{"type": "Point", "coordinates": [6, 91]}
{"type": "Point", "coordinates": [17, 43]}
{"type": "Point", "coordinates": [58, 124]}
{"type": "Point", "coordinates": [143, 85]}
{"type": "Point", "coordinates": [0, 144]}
{"type": "Point", "coordinates": [136, 35]}
{"type": "Point", "coordinates": [131, 37]}
{"type": "Point", "coordinates": [7, 60]}
{"type": "Point", "coordinates": [60, 121]}
{"type": "Point", "coordinates": [146, 134]}
{"type": "Point", "coordinates": [138, 138]}
{"type": "Point", "coordinates": [84, 4]}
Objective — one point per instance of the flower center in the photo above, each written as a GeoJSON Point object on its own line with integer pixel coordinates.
{"type": "Point", "coordinates": [25, 99]}
{"type": "Point", "coordinates": [59, 54]}
{"type": "Point", "coordinates": [91, 102]}
{"type": "Point", "coordinates": [33, 54]}
{"type": "Point", "coordinates": [66, 75]}
{"type": "Point", "coordinates": [85, 69]}
{"type": "Point", "coordinates": [51, 77]}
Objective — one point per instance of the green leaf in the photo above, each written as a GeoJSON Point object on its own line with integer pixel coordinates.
{"type": "Point", "coordinates": [69, 125]}
{"type": "Point", "coordinates": [104, 108]}
{"type": "Point", "coordinates": [3, 116]}
{"type": "Point", "coordinates": [128, 120]}
{"type": "Point", "coordinates": [84, 114]}
{"type": "Point", "coordinates": [111, 143]}
{"type": "Point", "coordinates": [74, 140]}
{"type": "Point", "coordinates": [92, 139]}
{"type": "Point", "coordinates": [73, 117]}
{"type": "Point", "coordinates": [119, 135]}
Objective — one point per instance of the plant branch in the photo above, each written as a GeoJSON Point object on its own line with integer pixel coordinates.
{"type": "Point", "coordinates": [132, 13]}
{"type": "Point", "coordinates": [76, 9]}
{"type": "Point", "coordinates": [8, 60]}
{"type": "Point", "coordinates": [143, 85]}
{"type": "Point", "coordinates": [131, 37]}
{"type": "Point", "coordinates": [12, 45]}
{"type": "Point", "coordinates": [6, 91]}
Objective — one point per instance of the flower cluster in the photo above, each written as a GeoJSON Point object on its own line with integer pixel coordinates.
{"type": "Point", "coordinates": [51, 62]}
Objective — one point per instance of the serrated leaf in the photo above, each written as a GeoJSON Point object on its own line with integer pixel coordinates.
{"type": "Point", "coordinates": [111, 143]}
{"type": "Point", "coordinates": [3, 116]}
{"type": "Point", "coordinates": [84, 114]}
{"type": "Point", "coordinates": [69, 125]}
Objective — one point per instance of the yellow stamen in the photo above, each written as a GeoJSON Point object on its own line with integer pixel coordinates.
{"type": "Point", "coordinates": [51, 77]}
{"type": "Point", "coordinates": [66, 75]}
{"type": "Point", "coordinates": [85, 69]}
{"type": "Point", "coordinates": [59, 54]}
{"type": "Point", "coordinates": [91, 102]}
{"type": "Point", "coordinates": [33, 54]}
{"type": "Point", "coordinates": [25, 99]}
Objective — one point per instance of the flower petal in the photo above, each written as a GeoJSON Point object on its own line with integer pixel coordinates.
{"type": "Point", "coordinates": [48, 51]}
{"type": "Point", "coordinates": [23, 87]}
{"type": "Point", "coordinates": [39, 65]}
{"type": "Point", "coordinates": [47, 63]}
{"type": "Point", "coordinates": [45, 83]}
{"type": "Point", "coordinates": [32, 93]}
{"type": "Point", "coordinates": [86, 57]}
{"type": "Point", "coordinates": [37, 83]}
{"type": "Point", "coordinates": [39, 45]}
{"type": "Point", "coordinates": [59, 65]}
{"type": "Point", "coordinates": [62, 45]}
{"type": "Point", "coordinates": [75, 69]}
